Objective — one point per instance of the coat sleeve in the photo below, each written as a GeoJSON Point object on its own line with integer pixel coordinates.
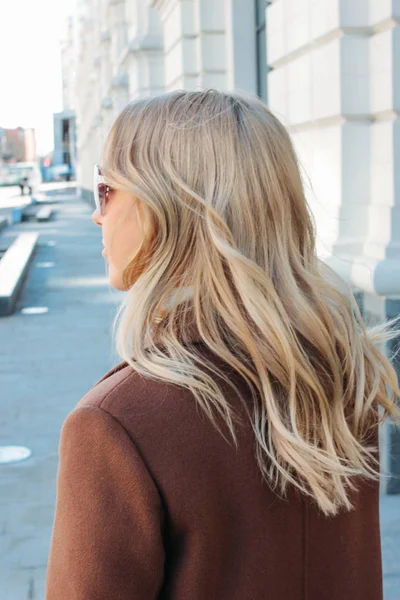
{"type": "Point", "coordinates": [106, 540]}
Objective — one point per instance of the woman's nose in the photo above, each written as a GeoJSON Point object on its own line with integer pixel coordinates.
{"type": "Point", "coordinates": [96, 218]}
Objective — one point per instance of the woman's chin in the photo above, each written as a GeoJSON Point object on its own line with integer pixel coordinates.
{"type": "Point", "coordinates": [117, 284]}
{"type": "Point", "coordinates": [116, 279]}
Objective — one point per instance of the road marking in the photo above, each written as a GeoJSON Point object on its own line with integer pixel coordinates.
{"type": "Point", "coordinates": [35, 310]}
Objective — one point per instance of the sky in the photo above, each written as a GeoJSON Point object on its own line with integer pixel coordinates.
{"type": "Point", "coordinates": [30, 65]}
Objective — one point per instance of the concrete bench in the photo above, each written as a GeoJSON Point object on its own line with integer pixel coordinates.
{"type": "Point", "coordinates": [44, 213]}
{"type": "Point", "coordinates": [3, 223]}
{"type": "Point", "coordinates": [13, 268]}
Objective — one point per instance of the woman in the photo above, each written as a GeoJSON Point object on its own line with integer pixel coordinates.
{"type": "Point", "coordinates": [233, 454]}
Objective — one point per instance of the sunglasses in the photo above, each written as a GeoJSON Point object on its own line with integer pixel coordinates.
{"type": "Point", "coordinates": [100, 190]}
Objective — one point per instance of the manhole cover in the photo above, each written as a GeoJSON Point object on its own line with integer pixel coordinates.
{"type": "Point", "coordinates": [10, 454]}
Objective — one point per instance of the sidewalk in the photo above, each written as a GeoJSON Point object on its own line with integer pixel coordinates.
{"type": "Point", "coordinates": [47, 363]}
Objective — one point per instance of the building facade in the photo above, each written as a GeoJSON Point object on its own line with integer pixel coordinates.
{"type": "Point", "coordinates": [330, 69]}
{"type": "Point", "coordinates": [133, 48]}
{"type": "Point", "coordinates": [335, 81]}
{"type": "Point", "coordinates": [64, 158]}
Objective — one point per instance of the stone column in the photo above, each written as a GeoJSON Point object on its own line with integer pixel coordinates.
{"type": "Point", "coordinates": [144, 59]}
{"type": "Point", "coordinates": [382, 245]}
{"type": "Point", "coordinates": [180, 51]}
{"type": "Point", "coordinates": [211, 48]}
{"type": "Point", "coordinates": [194, 43]}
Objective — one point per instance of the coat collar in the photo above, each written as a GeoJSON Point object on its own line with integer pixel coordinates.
{"type": "Point", "coordinates": [185, 327]}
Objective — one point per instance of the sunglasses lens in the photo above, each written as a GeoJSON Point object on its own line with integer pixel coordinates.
{"type": "Point", "coordinates": [102, 191]}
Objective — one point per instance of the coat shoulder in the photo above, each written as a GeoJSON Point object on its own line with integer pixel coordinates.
{"type": "Point", "coordinates": [124, 391]}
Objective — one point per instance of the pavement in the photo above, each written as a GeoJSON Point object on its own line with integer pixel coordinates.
{"type": "Point", "coordinates": [10, 196]}
{"type": "Point", "coordinates": [47, 363]}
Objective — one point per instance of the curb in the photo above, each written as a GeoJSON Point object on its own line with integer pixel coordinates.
{"type": "Point", "coordinates": [13, 268]}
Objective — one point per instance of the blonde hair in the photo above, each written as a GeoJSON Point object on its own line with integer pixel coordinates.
{"type": "Point", "coordinates": [219, 182]}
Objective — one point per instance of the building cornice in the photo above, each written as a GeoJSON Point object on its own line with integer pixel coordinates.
{"type": "Point", "coordinates": [120, 81]}
{"type": "Point", "coordinates": [145, 43]}
{"type": "Point", "coordinates": [157, 4]}
{"type": "Point", "coordinates": [105, 35]}
{"type": "Point", "coordinates": [106, 103]}
{"type": "Point", "coordinates": [161, 5]}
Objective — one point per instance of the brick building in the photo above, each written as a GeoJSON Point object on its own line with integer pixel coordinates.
{"type": "Point", "coordinates": [17, 145]}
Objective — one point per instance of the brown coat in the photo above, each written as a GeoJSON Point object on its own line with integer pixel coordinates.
{"type": "Point", "coordinates": [152, 503]}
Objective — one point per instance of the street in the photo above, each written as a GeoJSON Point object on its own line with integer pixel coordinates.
{"type": "Point", "coordinates": [10, 197]}
{"type": "Point", "coordinates": [47, 363]}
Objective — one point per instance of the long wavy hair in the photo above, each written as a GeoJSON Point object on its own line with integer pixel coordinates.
{"type": "Point", "coordinates": [227, 223]}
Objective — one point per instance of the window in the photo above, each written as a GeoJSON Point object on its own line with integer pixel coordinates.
{"type": "Point", "coordinates": [261, 41]}
{"type": "Point", "coordinates": [65, 129]}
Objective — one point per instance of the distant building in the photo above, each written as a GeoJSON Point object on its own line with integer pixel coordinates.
{"type": "Point", "coordinates": [17, 145]}
{"type": "Point", "coordinates": [64, 158]}
{"type": "Point", "coordinates": [64, 155]}
{"type": "Point", "coordinates": [69, 56]}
